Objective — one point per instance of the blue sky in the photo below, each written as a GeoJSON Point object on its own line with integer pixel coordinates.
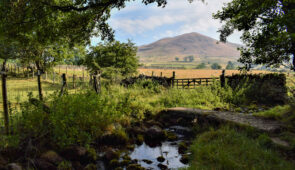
{"type": "Point", "coordinates": [145, 24]}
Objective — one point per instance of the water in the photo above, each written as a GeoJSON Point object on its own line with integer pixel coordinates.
{"type": "Point", "coordinates": [169, 150]}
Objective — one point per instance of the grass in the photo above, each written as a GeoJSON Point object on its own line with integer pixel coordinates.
{"type": "Point", "coordinates": [229, 149]}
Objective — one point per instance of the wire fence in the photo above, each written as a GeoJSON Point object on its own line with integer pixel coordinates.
{"type": "Point", "coordinates": [22, 83]}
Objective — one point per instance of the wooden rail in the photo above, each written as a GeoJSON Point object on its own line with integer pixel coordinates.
{"type": "Point", "coordinates": [191, 83]}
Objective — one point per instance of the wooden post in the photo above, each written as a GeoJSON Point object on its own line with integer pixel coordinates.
{"type": "Point", "coordinates": [83, 74]}
{"type": "Point", "coordinates": [222, 78]}
{"type": "Point", "coordinates": [53, 77]}
{"type": "Point", "coordinates": [152, 73]}
{"type": "Point", "coordinates": [64, 84]}
{"type": "Point", "coordinates": [161, 74]}
{"type": "Point", "coordinates": [74, 81]}
{"type": "Point", "coordinates": [4, 96]}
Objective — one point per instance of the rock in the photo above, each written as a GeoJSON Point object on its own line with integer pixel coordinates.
{"type": "Point", "coordinates": [74, 153]}
{"type": "Point", "coordinates": [134, 167]}
{"type": "Point", "coordinates": [77, 165]}
{"type": "Point", "coordinates": [182, 147]}
{"type": "Point", "coordinates": [184, 159]}
{"type": "Point", "coordinates": [139, 139]}
{"type": "Point", "coordinates": [111, 154]}
{"type": "Point", "coordinates": [125, 162]}
{"type": "Point", "coordinates": [114, 163]}
{"type": "Point", "coordinates": [51, 157]}
{"type": "Point", "coordinates": [44, 165]}
{"type": "Point", "coordinates": [90, 167]}
{"type": "Point", "coordinates": [13, 166]}
{"type": "Point", "coordinates": [170, 136]}
{"type": "Point", "coordinates": [161, 159]}
{"type": "Point", "coordinates": [147, 161]}
{"type": "Point", "coordinates": [154, 135]}
{"type": "Point", "coordinates": [162, 167]}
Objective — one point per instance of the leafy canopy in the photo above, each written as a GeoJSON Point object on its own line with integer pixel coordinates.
{"type": "Point", "coordinates": [268, 28]}
{"type": "Point", "coordinates": [118, 55]}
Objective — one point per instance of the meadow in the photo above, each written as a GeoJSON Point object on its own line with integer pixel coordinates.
{"type": "Point", "coordinates": [81, 118]}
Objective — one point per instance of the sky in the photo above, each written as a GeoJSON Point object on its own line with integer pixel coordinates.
{"type": "Point", "coordinates": [146, 24]}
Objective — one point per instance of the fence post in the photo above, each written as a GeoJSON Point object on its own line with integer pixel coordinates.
{"type": "Point", "coordinates": [173, 78]}
{"type": "Point", "coordinates": [161, 74]}
{"type": "Point", "coordinates": [222, 78]}
{"type": "Point", "coordinates": [64, 84]}
{"type": "Point", "coordinates": [53, 77]}
{"type": "Point", "coordinates": [96, 82]}
{"type": "Point", "coordinates": [74, 80]}
{"type": "Point", "coordinates": [152, 73]}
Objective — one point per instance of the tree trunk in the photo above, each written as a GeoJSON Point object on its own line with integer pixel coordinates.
{"type": "Point", "coordinates": [39, 82]}
{"type": "Point", "coordinates": [40, 86]}
{"type": "Point", "coordinates": [4, 95]}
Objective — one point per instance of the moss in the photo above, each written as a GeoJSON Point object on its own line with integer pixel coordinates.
{"type": "Point", "coordinates": [90, 167]}
{"type": "Point", "coordinates": [134, 167]}
{"type": "Point", "coordinates": [170, 136]}
{"type": "Point", "coordinates": [182, 147]}
{"type": "Point", "coordinates": [114, 163]}
{"type": "Point", "coordinates": [139, 139]}
{"type": "Point", "coordinates": [184, 159]}
{"type": "Point", "coordinates": [125, 162]}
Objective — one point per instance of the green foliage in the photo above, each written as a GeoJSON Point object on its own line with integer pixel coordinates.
{"type": "Point", "coordinates": [228, 149]}
{"type": "Point", "coordinates": [189, 59]}
{"type": "Point", "coordinates": [268, 30]}
{"type": "Point", "coordinates": [121, 56]}
{"type": "Point", "coordinates": [215, 66]}
{"type": "Point", "coordinates": [201, 66]}
{"type": "Point", "coordinates": [230, 66]}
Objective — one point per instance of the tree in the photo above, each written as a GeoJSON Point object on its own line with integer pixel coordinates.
{"type": "Point", "coordinates": [215, 66]}
{"type": "Point", "coordinates": [201, 66]}
{"type": "Point", "coordinates": [176, 59]}
{"type": "Point", "coordinates": [268, 28]}
{"type": "Point", "coordinates": [121, 56]}
{"type": "Point", "coordinates": [230, 66]}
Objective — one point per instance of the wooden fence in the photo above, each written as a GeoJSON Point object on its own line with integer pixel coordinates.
{"type": "Point", "coordinates": [191, 83]}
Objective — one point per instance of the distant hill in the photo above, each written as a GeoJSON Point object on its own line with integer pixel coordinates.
{"type": "Point", "coordinates": [203, 48]}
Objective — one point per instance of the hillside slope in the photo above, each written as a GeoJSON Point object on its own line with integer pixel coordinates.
{"type": "Point", "coordinates": [201, 47]}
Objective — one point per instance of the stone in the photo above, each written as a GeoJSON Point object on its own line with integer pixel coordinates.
{"type": "Point", "coordinates": [154, 134]}
{"type": "Point", "coordinates": [13, 166]}
{"type": "Point", "coordinates": [111, 154]}
{"type": "Point", "coordinates": [184, 159]}
{"type": "Point", "coordinates": [147, 161]}
{"type": "Point", "coordinates": [52, 157]}
{"type": "Point", "coordinates": [44, 165]}
{"type": "Point", "coordinates": [90, 167]}
{"type": "Point", "coordinates": [74, 153]}
{"type": "Point", "coordinates": [134, 167]}
{"type": "Point", "coordinates": [162, 167]}
{"type": "Point", "coordinates": [160, 159]}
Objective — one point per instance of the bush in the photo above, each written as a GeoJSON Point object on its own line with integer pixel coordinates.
{"type": "Point", "coordinates": [216, 66]}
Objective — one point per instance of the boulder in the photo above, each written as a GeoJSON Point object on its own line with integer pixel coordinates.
{"type": "Point", "coordinates": [13, 166]}
{"type": "Point", "coordinates": [74, 153]}
{"type": "Point", "coordinates": [155, 133]}
{"type": "Point", "coordinates": [44, 165]}
{"type": "Point", "coordinates": [52, 157]}
{"type": "Point", "coordinates": [162, 167]}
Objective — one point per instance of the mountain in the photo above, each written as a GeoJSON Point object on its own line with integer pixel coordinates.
{"type": "Point", "coordinates": [203, 49]}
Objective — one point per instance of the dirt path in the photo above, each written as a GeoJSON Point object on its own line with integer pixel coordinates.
{"type": "Point", "coordinates": [263, 125]}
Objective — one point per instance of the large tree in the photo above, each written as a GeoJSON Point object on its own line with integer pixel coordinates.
{"type": "Point", "coordinates": [121, 56]}
{"type": "Point", "coordinates": [268, 28]}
